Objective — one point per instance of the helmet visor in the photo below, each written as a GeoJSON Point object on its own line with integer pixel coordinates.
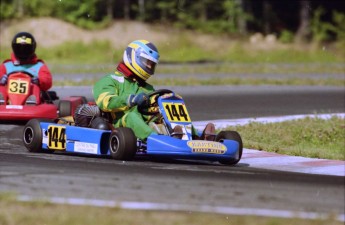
{"type": "Point", "coordinates": [23, 51]}
{"type": "Point", "coordinates": [149, 65]}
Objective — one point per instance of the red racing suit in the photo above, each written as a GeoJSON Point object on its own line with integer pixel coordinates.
{"type": "Point", "coordinates": [34, 66]}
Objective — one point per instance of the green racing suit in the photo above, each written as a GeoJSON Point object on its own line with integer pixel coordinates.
{"type": "Point", "coordinates": [111, 94]}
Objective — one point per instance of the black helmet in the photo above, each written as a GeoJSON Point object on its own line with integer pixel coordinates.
{"type": "Point", "coordinates": [23, 45]}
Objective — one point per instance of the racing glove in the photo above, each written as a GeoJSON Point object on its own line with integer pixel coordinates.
{"type": "Point", "coordinates": [140, 99]}
{"type": "Point", "coordinates": [35, 80]}
{"type": "Point", "coordinates": [3, 80]}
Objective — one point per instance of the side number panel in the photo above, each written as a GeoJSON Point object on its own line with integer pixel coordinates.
{"type": "Point", "coordinates": [57, 138]}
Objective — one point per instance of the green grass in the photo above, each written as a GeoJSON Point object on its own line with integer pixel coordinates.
{"type": "Point", "coordinates": [309, 137]}
{"type": "Point", "coordinates": [184, 49]}
{"type": "Point", "coordinates": [74, 53]}
{"type": "Point", "coordinates": [33, 213]}
{"type": "Point", "coordinates": [290, 55]}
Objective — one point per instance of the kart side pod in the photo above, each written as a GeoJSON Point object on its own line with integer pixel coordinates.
{"type": "Point", "coordinates": [227, 148]}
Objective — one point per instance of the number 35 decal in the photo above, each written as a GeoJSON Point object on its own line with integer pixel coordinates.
{"type": "Point", "coordinates": [18, 87]}
{"type": "Point", "coordinates": [176, 112]}
{"type": "Point", "coordinates": [57, 137]}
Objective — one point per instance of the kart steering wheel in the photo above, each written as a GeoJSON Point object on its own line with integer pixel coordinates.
{"type": "Point", "coordinates": [154, 95]}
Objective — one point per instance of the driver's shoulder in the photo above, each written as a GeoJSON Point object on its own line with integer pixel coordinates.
{"type": "Point", "coordinates": [39, 61]}
{"type": "Point", "coordinates": [115, 77]}
{"type": "Point", "coordinates": [7, 61]}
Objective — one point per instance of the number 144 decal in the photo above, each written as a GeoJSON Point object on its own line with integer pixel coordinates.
{"type": "Point", "coordinates": [176, 112]}
{"type": "Point", "coordinates": [57, 137]}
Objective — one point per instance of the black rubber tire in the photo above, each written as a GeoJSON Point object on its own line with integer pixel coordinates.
{"type": "Point", "coordinates": [122, 144]}
{"type": "Point", "coordinates": [231, 135]}
{"type": "Point", "coordinates": [32, 135]}
{"type": "Point", "coordinates": [65, 108]}
{"type": "Point", "coordinates": [100, 123]}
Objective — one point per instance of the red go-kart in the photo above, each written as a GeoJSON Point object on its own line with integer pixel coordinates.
{"type": "Point", "coordinates": [21, 100]}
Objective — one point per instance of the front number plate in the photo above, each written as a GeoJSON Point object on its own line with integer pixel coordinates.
{"type": "Point", "coordinates": [18, 87]}
{"type": "Point", "coordinates": [176, 112]}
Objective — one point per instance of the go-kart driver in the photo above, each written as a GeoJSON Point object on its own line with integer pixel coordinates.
{"type": "Point", "coordinates": [122, 91]}
{"type": "Point", "coordinates": [23, 58]}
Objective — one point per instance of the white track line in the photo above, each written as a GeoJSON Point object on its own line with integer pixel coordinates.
{"type": "Point", "coordinates": [273, 161]}
{"type": "Point", "coordinates": [274, 119]}
{"type": "Point", "coordinates": [185, 208]}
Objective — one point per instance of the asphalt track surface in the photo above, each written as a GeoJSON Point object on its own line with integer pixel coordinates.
{"type": "Point", "coordinates": [185, 185]}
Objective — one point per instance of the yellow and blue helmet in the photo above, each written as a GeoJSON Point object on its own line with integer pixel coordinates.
{"type": "Point", "coordinates": [141, 57]}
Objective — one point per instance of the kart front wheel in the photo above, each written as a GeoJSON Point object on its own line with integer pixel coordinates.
{"type": "Point", "coordinates": [32, 136]}
{"type": "Point", "coordinates": [122, 144]}
{"type": "Point", "coordinates": [235, 136]}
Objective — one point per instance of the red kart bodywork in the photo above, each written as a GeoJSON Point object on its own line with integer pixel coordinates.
{"type": "Point", "coordinates": [16, 107]}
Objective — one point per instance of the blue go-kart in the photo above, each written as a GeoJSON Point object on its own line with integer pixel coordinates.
{"type": "Point", "coordinates": [121, 144]}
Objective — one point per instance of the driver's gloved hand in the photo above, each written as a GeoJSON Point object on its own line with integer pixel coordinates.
{"type": "Point", "coordinates": [140, 99]}
{"type": "Point", "coordinates": [3, 80]}
{"type": "Point", "coordinates": [35, 80]}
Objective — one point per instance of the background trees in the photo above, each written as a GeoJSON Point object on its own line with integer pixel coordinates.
{"type": "Point", "coordinates": [321, 20]}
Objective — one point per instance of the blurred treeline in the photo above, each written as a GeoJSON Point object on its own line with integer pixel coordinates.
{"type": "Point", "coordinates": [290, 20]}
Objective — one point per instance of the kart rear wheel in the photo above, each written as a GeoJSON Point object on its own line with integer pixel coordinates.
{"type": "Point", "coordinates": [122, 144]}
{"type": "Point", "coordinates": [65, 108]}
{"type": "Point", "coordinates": [235, 136]}
{"type": "Point", "coordinates": [32, 136]}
